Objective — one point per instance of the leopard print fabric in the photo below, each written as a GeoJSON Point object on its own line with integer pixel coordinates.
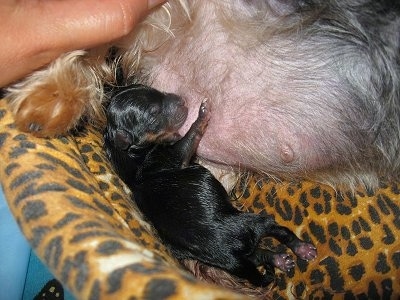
{"type": "Point", "coordinates": [356, 234]}
{"type": "Point", "coordinates": [77, 216]}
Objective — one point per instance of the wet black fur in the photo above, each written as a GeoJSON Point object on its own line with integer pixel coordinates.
{"type": "Point", "coordinates": [185, 203]}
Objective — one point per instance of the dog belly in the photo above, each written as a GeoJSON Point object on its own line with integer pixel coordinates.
{"type": "Point", "coordinates": [288, 105]}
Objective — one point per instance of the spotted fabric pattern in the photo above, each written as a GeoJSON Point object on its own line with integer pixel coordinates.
{"type": "Point", "coordinates": [78, 217]}
{"type": "Point", "coordinates": [356, 234]}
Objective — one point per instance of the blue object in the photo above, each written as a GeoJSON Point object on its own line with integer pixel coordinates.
{"type": "Point", "coordinates": [14, 255]}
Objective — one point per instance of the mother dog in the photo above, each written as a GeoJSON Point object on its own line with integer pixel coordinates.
{"type": "Point", "coordinates": [305, 88]}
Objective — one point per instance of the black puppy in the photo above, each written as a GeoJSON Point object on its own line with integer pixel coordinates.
{"type": "Point", "coordinates": [187, 206]}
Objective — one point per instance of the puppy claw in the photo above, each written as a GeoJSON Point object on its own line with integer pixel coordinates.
{"type": "Point", "coordinates": [205, 111]}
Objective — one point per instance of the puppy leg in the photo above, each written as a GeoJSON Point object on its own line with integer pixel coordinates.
{"type": "Point", "coordinates": [187, 146]}
{"type": "Point", "coordinates": [52, 101]}
{"type": "Point", "coordinates": [263, 257]}
{"type": "Point", "coordinates": [284, 235]}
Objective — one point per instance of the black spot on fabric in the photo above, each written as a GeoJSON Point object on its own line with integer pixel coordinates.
{"type": "Point", "coordinates": [333, 229]}
{"type": "Point", "coordinates": [20, 137]}
{"type": "Point", "coordinates": [349, 296]}
{"type": "Point", "coordinates": [270, 197]}
{"type": "Point", "coordinates": [343, 209]}
{"type": "Point", "coordinates": [280, 281]}
{"type": "Point", "coordinates": [362, 296]}
{"type": "Point", "coordinates": [86, 148]}
{"type": "Point", "coordinates": [145, 269]}
{"type": "Point", "coordinates": [364, 224]}
{"type": "Point", "coordinates": [382, 206]}
{"type": "Point", "coordinates": [339, 197]}
{"type": "Point", "coordinates": [3, 137]}
{"type": "Point", "coordinates": [357, 272]}
{"type": "Point", "coordinates": [373, 291]}
{"type": "Point", "coordinates": [382, 265]}
{"type": "Point", "coordinates": [387, 288]}
{"type": "Point", "coordinates": [33, 190]}
{"type": "Point", "coordinates": [318, 232]}
{"type": "Point", "coordinates": [345, 233]}
{"type": "Point", "coordinates": [316, 192]}
{"type": "Point", "coordinates": [17, 152]}
{"type": "Point", "coordinates": [286, 212]}
{"type": "Point", "coordinates": [104, 186]}
{"type": "Point", "coordinates": [396, 259]}
{"type": "Point", "coordinates": [27, 145]}
{"type": "Point", "coordinates": [103, 207]}
{"type": "Point", "coordinates": [75, 201]}
{"type": "Point", "coordinates": [395, 188]}
{"type": "Point", "coordinates": [67, 219]}
{"type": "Point", "coordinates": [299, 289]}
{"type": "Point", "coordinates": [159, 289]}
{"type": "Point", "coordinates": [335, 248]}
{"type": "Point", "coordinates": [389, 237]}
{"type": "Point", "coordinates": [298, 217]}
{"type": "Point", "coordinates": [116, 196]}
{"type": "Point", "coordinates": [373, 214]}
{"type": "Point", "coordinates": [79, 237]}
{"type": "Point", "coordinates": [318, 208]}
{"type": "Point", "coordinates": [355, 226]}
{"type": "Point", "coordinates": [317, 276]}
{"type": "Point", "coordinates": [77, 266]}
{"type": "Point", "coordinates": [336, 279]}
{"type": "Point", "coordinates": [366, 243]}
{"type": "Point", "coordinates": [54, 251]}
{"type": "Point", "coordinates": [38, 233]}
{"type": "Point", "coordinates": [328, 202]}
{"type": "Point", "coordinates": [88, 224]}
{"type": "Point", "coordinates": [351, 249]}
{"type": "Point", "coordinates": [95, 291]}
{"type": "Point", "coordinates": [303, 200]}
{"type": "Point", "coordinates": [50, 145]}
{"type": "Point", "coordinates": [76, 173]}
{"type": "Point", "coordinates": [24, 178]}
{"type": "Point", "coordinates": [301, 264]}
{"type": "Point", "coordinates": [392, 205]}
{"type": "Point", "coordinates": [97, 158]}
{"type": "Point", "coordinates": [109, 247]}
{"type": "Point", "coordinates": [64, 140]}
{"type": "Point", "coordinates": [114, 279]}
{"type": "Point", "coordinates": [79, 185]}
{"type": "Point", "coordinates": [45, 167]}
{"type": "Point", "coordinates": [352, 199]}
{"type": "Point", "coordinates": [257, 203]}
{"type": "Point", "coordinates": [34, 210]}
{"type": "Point", "coordinates": [137, 232]}
{"type": "Point", "coordinates": [11, 167]}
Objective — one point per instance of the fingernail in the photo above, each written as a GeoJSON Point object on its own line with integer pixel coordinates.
{"type": "Point", "coordinates": [153, 3]}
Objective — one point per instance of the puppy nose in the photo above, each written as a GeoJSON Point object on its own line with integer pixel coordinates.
{"type": "Point", "coordinates": [175, 98]}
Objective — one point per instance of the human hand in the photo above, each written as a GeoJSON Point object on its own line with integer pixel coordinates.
{"type": "Point", "coordinates": [34, 32]}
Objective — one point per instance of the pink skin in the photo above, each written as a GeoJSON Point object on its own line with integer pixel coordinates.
{"type": "Point", "coordinates": [260, 118]}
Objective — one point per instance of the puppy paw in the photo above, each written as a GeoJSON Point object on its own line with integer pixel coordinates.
{"type": "Point", "coordinates": [283, 262]}
{"type": "Point", "coordinates": [305, 251]}
{"type": "Point", "coordinates": [205, 110]}
{"type": "Point", "coordinates": [46, 112]}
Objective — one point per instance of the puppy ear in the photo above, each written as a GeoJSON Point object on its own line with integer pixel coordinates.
{"type": "Point", "coordinates": [123, 139]}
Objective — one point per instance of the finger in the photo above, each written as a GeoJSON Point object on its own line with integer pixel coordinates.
{"type": "Point", "coordinates": [77, 24]}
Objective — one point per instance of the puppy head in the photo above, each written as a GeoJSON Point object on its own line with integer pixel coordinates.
{"type": "Point", "coordinates": [138, 116]}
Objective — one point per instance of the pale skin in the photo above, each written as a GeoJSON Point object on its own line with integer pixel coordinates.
{"type": "Point", "coordinates": [35, 32]}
